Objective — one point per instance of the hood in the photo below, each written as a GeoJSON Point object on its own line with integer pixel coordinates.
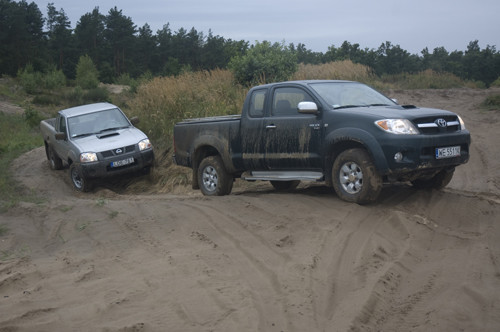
{"type": "Point", "coordinates": [397, 112]}
{"type": "Point", "coordinates": [110, 140]}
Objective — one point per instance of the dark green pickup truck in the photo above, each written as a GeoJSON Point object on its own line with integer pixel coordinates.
{"type": "Point", "coordinates": [342, 133]}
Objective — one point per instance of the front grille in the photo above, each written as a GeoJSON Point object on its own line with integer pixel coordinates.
{"type": "Point", "coordinates": [113, 153]}
{"type": "Point", "coordinates": [435, 125]}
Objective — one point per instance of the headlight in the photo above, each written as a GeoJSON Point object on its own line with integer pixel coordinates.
{"type": "Point", "coordinates": [462, 124]}
{"type": "Point", "coordinates": [397, 126]}
{"type": "Point", "coordinates": [88, 157]}
{"type": "Point", "coordinates": [145, 144]}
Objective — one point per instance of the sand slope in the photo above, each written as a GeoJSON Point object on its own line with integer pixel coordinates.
{"type": "Point", "coordinates": [258, 260]}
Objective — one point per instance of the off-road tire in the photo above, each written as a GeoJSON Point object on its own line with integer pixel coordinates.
{"type": "Point", "coordinates": [355, 178]}
{"type": "Point", "coordinates": [213, 178]}
{"type": "Point", "coordinates": [55, 162]}
{"type": "Point", "coordinates": [79, 182]}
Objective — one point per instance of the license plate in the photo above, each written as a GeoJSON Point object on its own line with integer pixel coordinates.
{"type": "Point", "coordinates": [448, 152]}
{"type": "Point", "coordinates": [124, 162]}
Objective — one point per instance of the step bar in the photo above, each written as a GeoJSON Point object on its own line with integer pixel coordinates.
{"type": "Point", "coordinates": [283, 176]}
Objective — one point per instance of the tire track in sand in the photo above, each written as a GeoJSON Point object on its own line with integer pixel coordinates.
{"type": "Point", "coordinates": [352, 262]}
{"type": "Point", "coordinates": [261, 262]}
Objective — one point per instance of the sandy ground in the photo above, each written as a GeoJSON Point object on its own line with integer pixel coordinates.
{"type": "Point", "coordinates": [258, 260]}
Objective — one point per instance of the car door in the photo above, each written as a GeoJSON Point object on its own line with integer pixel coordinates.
{"type": "Point", "coordinates": [292, 139]}
{"type": "Point", "coordinates": [61, 147]}
{"type": "Point", "coordinates": [253, 131]}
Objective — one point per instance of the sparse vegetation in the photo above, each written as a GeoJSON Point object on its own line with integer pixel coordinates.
{"type": "Point", "coordinates": [16, 137]}
{"type": "Point", "coordinates": [491, 103]}
{"type": "Point", "coordinates": [3, 230]}
{"type": "Point", "coordinates": [429, 79]}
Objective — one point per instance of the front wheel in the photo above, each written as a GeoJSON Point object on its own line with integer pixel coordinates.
{"type": "Point", "coordinates": [213, 178]}
{"type": "Point", "coordinates": [79, 182]}
{"type": "Point", "coordinates": [355, 178]}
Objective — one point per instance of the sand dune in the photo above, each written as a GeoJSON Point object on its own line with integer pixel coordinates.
{"type": "Point", "coordinates": [258, 260]}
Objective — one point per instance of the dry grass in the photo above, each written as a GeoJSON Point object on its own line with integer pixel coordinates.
{"type": "Point", "coordinates": [164, 101]}
{"type": "Point", "coordinates": [338, 70]}
{"type": "Point", "coordinates": [428, 79]}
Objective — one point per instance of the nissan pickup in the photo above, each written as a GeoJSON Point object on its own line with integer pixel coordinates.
{"type": "Point", "coordinates": [96, 141]}
{"type": "Point", "coordinates": [342, 133]}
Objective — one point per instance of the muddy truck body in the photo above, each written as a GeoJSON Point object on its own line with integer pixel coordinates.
{"type": "Point", "coordinates": [342, 133]}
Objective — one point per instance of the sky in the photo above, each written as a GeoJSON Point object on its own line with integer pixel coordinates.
{"type": "Point", "coordinates": [318, 24]}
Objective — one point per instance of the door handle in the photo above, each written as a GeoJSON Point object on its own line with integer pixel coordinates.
{"type": "Point", "coordinates": [271, 126]}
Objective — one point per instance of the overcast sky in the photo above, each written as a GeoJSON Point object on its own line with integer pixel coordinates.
{"type": "Point", "coordinates": [318, 24]}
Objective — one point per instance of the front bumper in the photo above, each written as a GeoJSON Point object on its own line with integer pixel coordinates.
{"type": "Point", "coordinates": [103, 168]}
{"type": "Point", "coordinates": [419, 153]}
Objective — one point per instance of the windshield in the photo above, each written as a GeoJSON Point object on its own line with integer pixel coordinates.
{"type": "Point", "coordinates": [97, 122]}
{"type": "Point", "coordinates": [350, 94]}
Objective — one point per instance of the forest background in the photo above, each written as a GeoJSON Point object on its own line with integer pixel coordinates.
{"type": "Point", "coordinates": [118, 47]}
{"type": "Point", "coordinates": [167, 76]}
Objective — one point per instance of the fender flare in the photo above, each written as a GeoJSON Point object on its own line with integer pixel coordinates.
{"type": "Point", "coordinates": [209, 142]}
{"type": "Point", "coordinates": [360, 137]}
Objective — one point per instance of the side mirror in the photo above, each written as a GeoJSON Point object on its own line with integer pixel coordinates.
{"type": "Point", "coordinates": [134, 120]}
{"type": "Point", "coordinates": [307, 107]}
{"type": "Point", "coordinates": [60, 136]}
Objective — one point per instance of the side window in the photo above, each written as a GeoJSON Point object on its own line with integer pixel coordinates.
{"type": "Point", "coordinates": [286, 100]}
{"type": "Point", "coordinates": [62, 124]}
{"type": "Point", "coordinates": [256, 108]}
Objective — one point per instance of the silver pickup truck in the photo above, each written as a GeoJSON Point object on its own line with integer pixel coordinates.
{"type": "Point", "coordinates": [96, 141]}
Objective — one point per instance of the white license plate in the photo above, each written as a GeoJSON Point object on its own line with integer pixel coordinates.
{"type": "Point", "coordinates": [124, 162]}
{"type": "Point", "coordinates": [448, 152]}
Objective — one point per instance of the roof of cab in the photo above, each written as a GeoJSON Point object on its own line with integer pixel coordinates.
{"type": "Point", "coordinates": [84, 109]}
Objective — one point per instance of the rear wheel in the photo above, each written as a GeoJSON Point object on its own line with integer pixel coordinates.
{"type": "Point", "coordinates": [213, 178]}
{"type": "Point", "coordinates": [355, 178]}
{"type": "Point", "coordinates": [285, 185]}
{"type": "Point", "coordinates": [438, 181]}
{"type": "Point", "coordinates": [54, 161]}
{"type": "Point", "coordinates": [79, 182]}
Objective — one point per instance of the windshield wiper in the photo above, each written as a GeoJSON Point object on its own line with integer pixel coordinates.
{"type": "Point", "coordinates": [112, 128]}
{"type": "Point", "coordinates": [82, 135]}
{"type": "Point", "coordinates": [379, 105]}
{"type": "Point", "coordinates": [348, 106]}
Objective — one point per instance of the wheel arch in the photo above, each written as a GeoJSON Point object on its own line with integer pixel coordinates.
{"type": "Point", "coordinates": [206, 146]}
{"type": "Point", "coordinates": [350, 138]}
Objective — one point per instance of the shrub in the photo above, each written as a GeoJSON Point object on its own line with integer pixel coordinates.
{"type": "Point", "coordinates": [429, 79]}
{"type": "Point", "coordinates": [32, 117]}
{"type": "Point", "coordinates": [30, 80]}
{"type": "Point", "coordinates": [491, 102]}
{"type": "Point", "coordinates": [54, 79]}
{"type": "Point", "coordinates": [496, 82]}
{"type": "Point", "coordinates": [96, 95]}
{"type": "Point", "coordinates": [163, 101]}
{"type": "Point", "coordinates": [264, 63]}
{"type": "Point", "coordinates": [44, 99]}
{"type": "Point", "coordinates": [87, 76]}
{"type": "Point", "coordinates": [75, 97]}
{"type": "Point", "coordinates": [337, 70]}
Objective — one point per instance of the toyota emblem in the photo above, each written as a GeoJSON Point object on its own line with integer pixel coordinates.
{"type": "Point", "coordinates": [441, 123]}
{"type": "Point", "coordinates": [118, 151]}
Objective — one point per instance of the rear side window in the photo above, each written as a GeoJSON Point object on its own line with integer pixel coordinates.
{"type": "Point", "coordinates": [286, 100]}
{"type": "Point", "coordinates": [62, 124]}
{"type": "Point", "coordinates": [257, 100]}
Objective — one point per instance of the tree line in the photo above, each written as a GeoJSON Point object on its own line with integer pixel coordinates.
{"type": "Point", "coordinates": [117, 47]}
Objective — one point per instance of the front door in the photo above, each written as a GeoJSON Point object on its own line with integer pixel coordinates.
{"type": "Point", "coordinates": [292, 139]}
